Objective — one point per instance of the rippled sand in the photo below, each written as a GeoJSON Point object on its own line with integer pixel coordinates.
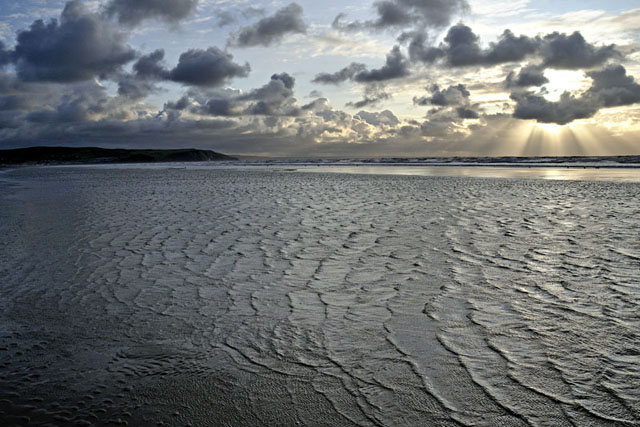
{"type": "Point", "coordinates": [245, 297]}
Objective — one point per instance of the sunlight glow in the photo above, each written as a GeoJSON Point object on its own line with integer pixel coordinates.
{"type": "Point", "coordinates": [561, 81]}
{"type": "Point", "coordinates": [550, 128]}
{"type": "Point", "coordinates": [528, 138]}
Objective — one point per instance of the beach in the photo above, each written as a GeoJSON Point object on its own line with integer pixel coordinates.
{"type": "Point", "coordinates": [208, 296]}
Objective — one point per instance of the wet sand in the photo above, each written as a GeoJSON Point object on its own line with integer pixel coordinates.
{"type": "Point", "coordinates": [212, 296]}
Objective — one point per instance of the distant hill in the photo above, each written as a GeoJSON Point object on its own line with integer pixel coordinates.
{"type": "Point", "coordinates": [94, 155]}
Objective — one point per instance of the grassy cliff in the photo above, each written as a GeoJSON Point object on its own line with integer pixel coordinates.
{"type": "Point", "coordinates": [79, 155]}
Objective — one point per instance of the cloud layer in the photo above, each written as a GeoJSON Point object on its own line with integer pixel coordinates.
{"type": "Point", "coordinates": [92, 76]}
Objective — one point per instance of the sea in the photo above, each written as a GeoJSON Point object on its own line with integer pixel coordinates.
{"type": "Point", "coordinates": [350, 294]}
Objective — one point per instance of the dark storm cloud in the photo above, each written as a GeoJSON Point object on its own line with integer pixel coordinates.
{"type": "Point", "coordinates": [420, 51]}
{"type": "Point", "coordinates": [509, 48]}
{"type": "Point", "coordinates": [5, 55]}
{"type": "Point", "coordinates": [399, 14]}
{"type": "Point", "coordinates": [461, 47]}
{"type": "Point", "coordinates": [566, 110]}
{"type": "Point", "coordinates": [467, 113]}
{"type": "Point", "coordinates": [396, 66]}
{"type": "Point", "coordinates": [611, 87]}
{"type": "Point", "coordinates": [573, 52]}
{"type": "Point", "coordinates": [78, 104]}
{"type": "Point", "coordinates": [531, 75]}
{"type": "Point", "coordinates": [196, 67]}
{"type": "Point", "coordinates": [346, 73]}
{"type": "Point", "coordinates": [271, 29]}
{"type": "Point", "coordinates": [150, 66]}
{"type": "Point", "coordinates": [134, 88]}
{"type": "Point", "coordinates": [132, 12]}
{"type": "Point", "coordinates": [453, 95]}
{"type": "Point", "coordinates": [210, 67]}
{"type": "Point", "coordinates": [16, 103]}
{"type": "Point", "coordinates": [81, 46]}
{"type": "Point", "coordinates": [180, 104]}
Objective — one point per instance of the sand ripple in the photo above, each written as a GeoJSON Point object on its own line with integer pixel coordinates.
{"type": "Point", "coordinates": [239, 297]}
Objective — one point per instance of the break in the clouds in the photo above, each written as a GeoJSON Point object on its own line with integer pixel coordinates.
{"type": "Point", "coordinates": [611, 87]}
{"type": "Point", "coordinates": [133, 12]}
{"type": "Point", "coordinates": [387, 77]}
{"type": "Point", "coordinates": [271, 29]}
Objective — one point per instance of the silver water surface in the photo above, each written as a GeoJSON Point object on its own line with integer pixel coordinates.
{"type": "Point", "coordinates": [256, 297]}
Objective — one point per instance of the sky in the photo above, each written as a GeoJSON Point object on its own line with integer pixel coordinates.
{"type": "Point", "coordinates": [385, 78]}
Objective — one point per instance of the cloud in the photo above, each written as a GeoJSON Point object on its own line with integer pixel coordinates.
{"type": "Point", "coordinates": [271, 29]}
{"type": "Point", "coordinates": [509, 48]}
{"type": "Point", "coordinates": [467, 113]}
{"type": "Point", "coordinates": [573, 52]}
{"type": "Point", "coordinates": [132, 12]}
{"type": "Point", "coordinates": [453, 99]}
{"type": "Point", "coordinates": [461, 48]}
{"type": "Point", "coordinates": [196, 67]}
{"type": "Point", "coordinates": [400, 14]}
{"type": "Point", "coordinates": [5, 55]}
{"type": "Point", "coordinates": [80, 47]}
{"type": "Point", "coordinates": [453, 95]}
{"type": "Point", "coordinates": [131, 87]}
{"type": "Point", "coordinates": [566, 110]}
{"type": "Point", "coordinates": [17, 103]}
{"type": "Point", "coordinates": [385, 117]}
{"type": "Point", "coordinates": [276, 98]}
{"type": "Point", "coordinates": [210, 67]}
{"type": "Point", "coordinates": [531, 75]}
{"type": "Point", "coordinates": [347, 73]}
{"type": "Point", "coordinates": [224, 18]}
{"type": "Point", "coordinates": [396, 66]}
{"type": "Point", "coordinates": [150, 66]}
{"type": "Point", "coordinates": [611, 87]}
{"type": "Point", "coordinates": [373, 94]}
{"type": "Point", "coordinates": [420, 51]}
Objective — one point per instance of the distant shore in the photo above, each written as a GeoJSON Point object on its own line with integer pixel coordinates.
{"type": "Point", "coordinates": [95, 155]}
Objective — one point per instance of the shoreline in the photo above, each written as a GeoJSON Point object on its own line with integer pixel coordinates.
{"type": "Point", "coordinates": [629, 173]}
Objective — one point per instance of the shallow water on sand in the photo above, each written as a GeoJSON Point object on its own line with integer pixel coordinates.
{"type": "Point", "coordinates": [247, 297]}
